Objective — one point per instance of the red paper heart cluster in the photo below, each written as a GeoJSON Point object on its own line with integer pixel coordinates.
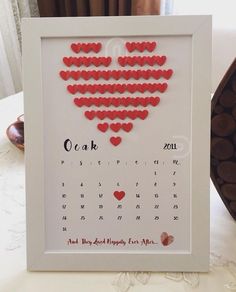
{"type": "Point", "coordinates": [132, 103]}
{"type": "Point", "coordinates": [87, 61]}
{"type": "Point", "coordinates": [140, 46]}
{"type": "Point", "coordinates": [116, 74]}
{"type": "Point", "coordinates": [113, 114]}
{"type": "Point", "coordinates": [86, 47]}
{"type": "Point", "coordinates": [121, 88]}
{"type": "Point", "coordinates": [141, 60]}
{"type": "Point", "coordinates": [117, 101]}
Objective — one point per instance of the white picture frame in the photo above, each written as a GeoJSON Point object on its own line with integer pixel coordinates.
{"type": "Point", "coordinates": [198, 28]}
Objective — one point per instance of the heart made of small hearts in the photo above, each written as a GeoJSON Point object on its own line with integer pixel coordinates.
{"type": "Point", "coordinates": [114, 88]}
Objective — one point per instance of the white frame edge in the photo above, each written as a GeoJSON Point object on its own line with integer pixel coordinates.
{"type": "Point", "coordinates": [199, 28]}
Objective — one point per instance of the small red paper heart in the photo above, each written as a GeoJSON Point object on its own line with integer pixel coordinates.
{"type": "Point", "coordinates": [154, 100]}
{"type": "Point", "coordinates": [65, 75]}
{"type": "Point", "coordinates": [68, 61]}
{"type": "Point", "coordinates": [143, 114]}
{"type": "Point", "coordinates": [80, 88]}
{"type": "Point", "coordinates": [167, 73]}
{"type": "Point", "coordinates": [75, 75]}
{"type": "Point", "coordinates": [124, 101]}
{"type": "Point", "coordinates": [126, 74]}
{"type": "Point", "coordinates": [115, 101]}
{"type": "Point", "coordinates": [106, 75]}
{"type": "Point", "coordinates": [149, 61]}
{"type": "Point", "coordinates": [77, 61]}
{"type": "Point", "coordinates": [160, 60]}
{"type": "Point", "coordinates": [166, 239]}
{"type": "Point", "coordinates": [117, 87]}
{"type": "Point", "coordinates": [72, 89]}
{"type": "Point", "coordinates": [122, 114]}
{"type": "Point", "coordinates": [90, 88]}
{"type": "Point", "coordinates": [106, 101]}
{"type": "Point", "coordinates": [103, 127]}
{"type": "Point", "coordinates": [90, 115]}
{"type": "Point", "coordinates": [115, 140]}
{"type": "Point", "coordinates": [75, 48]}
{"type": "Point", "coordinates": [127, 127]}
{"type": "Point", "coordinates": [115, 127]}
{"type": "Point", "coordinates": [142, 87]}
{"type": "Point", "coordinates": [151, 46]}
{"type": "Point", "coordinates": [143, 101]}
{"type": "Point", "coordinates": [96, 101]}
{"type": "Point", "coordinates": [130, 46]}
{"type": "Point", "coordinates": [146, 74]}
{"type": "Point", "coordinates": [116, 74]}
{"type": "Point", "coordinates": [84, 75]}
{"type": "Point", "coordinates": [130, 61]}
{"type": "Point", "coordinates": [85, 47]}
{"type": "Point", "coordinates": [95, 61]}
{"type": "Point", "coordinates": [88, 101]}
{"type": "Point", "coordinates": [136, 74]}
{"type": "Point", "coordinates": [151, 87]}
{"type": "Point", "coordinates": [142, 60]}
{"type": "Point", "coordinates": [101, 115]}
{"type": "Point", "coordinates": [119, 195]}
{"type": "Point", "coordinates": [96, 47]}
{"type": "Point", "coordinates": [79, 102]}
{"type": "Point", "coordinates": [122, 61]}
{"type": "Point", "coordinates": [132, 114]}
{"type": "Point", "coordinates": [162, 87]}
{"type": "Point", "coordinates": [140, 46]}
{"type": "Point", "coordinates": [87, 61]}
{"type": "Point", "coordinates": [134, 101]}
{"type": "Point", "coordinates": [112, 115]}
{"type": "Point", "coordinates": [106, 61]}
{"type": "Point", "coordinates": [131, 87]}
{"type": "Point", "coordinates": [156, 74]}
{"type": "Point", "coordinates": [94, 74]}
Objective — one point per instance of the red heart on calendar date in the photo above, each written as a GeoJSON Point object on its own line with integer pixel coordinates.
{"type": "Point", "coordinates": [119, 195]}
{"type": "Point", "coordinates": [166, 239]}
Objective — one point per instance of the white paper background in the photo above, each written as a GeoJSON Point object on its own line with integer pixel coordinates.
{"type": "Point", "coordinates": [169, 122]}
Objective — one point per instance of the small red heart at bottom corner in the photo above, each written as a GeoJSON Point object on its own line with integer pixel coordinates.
{"type": "Point", "coordinates": [166, 239]}
{"type": "Point", "coordinates": [119, 195]}
{"type": "Point", "coordinates": [115, 141]}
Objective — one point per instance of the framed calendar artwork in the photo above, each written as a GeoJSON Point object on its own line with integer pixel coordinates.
{"type": "Point", "coordinates": [117, 124]}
